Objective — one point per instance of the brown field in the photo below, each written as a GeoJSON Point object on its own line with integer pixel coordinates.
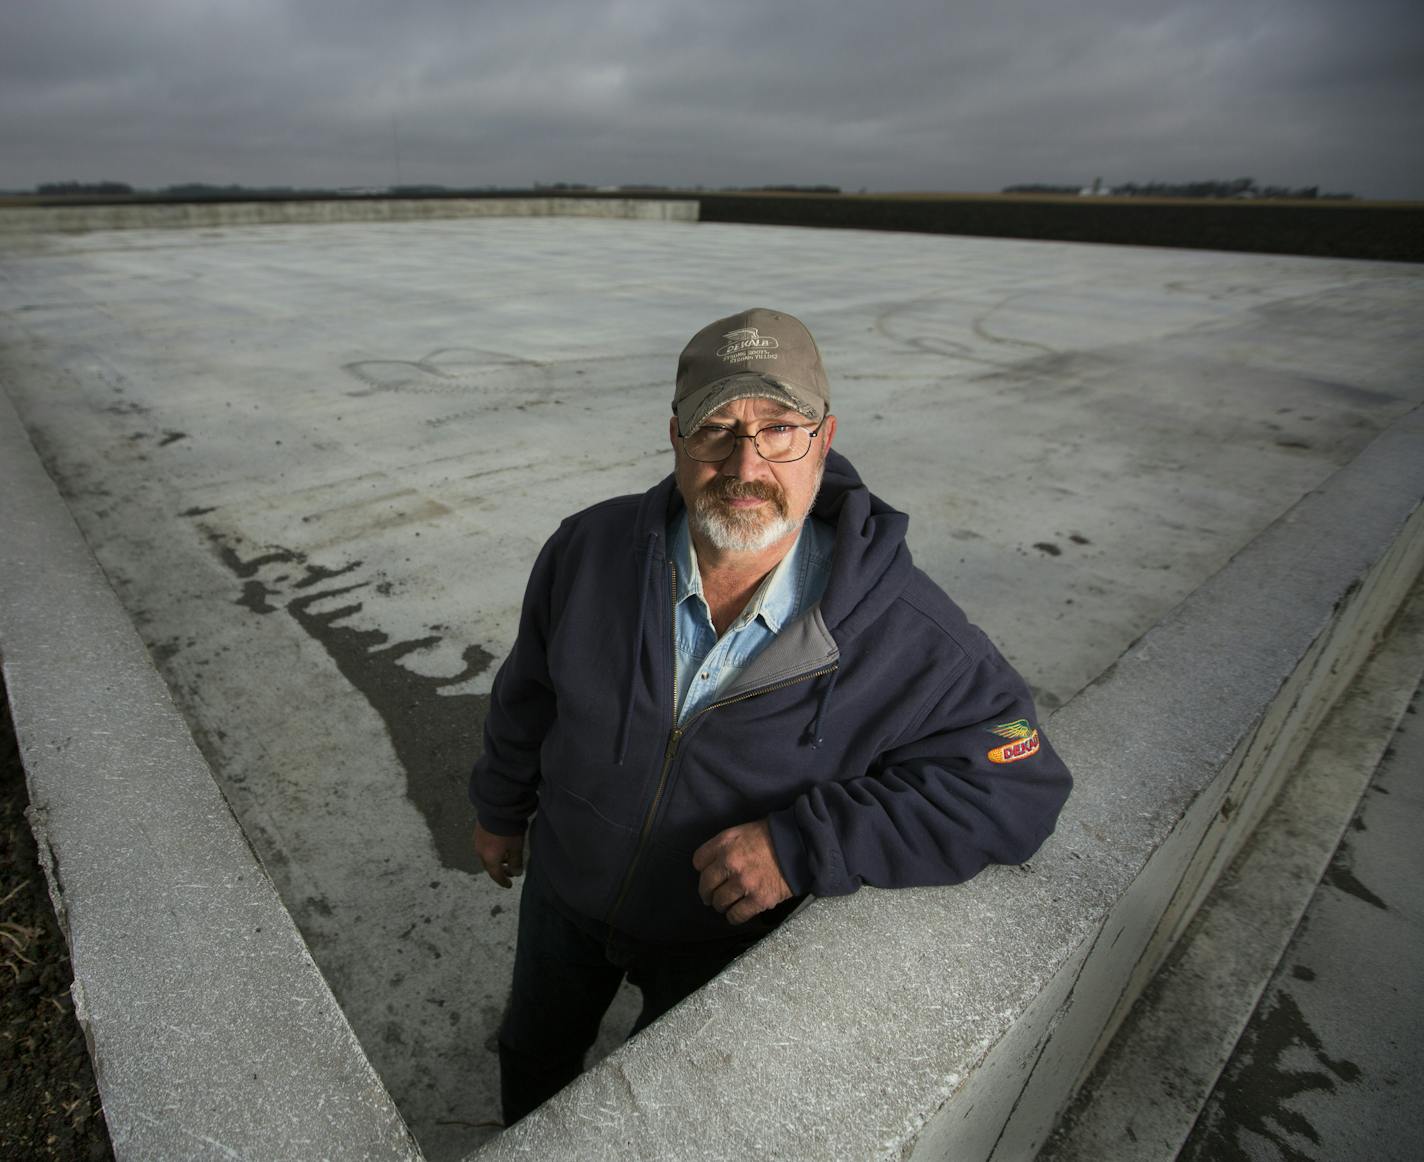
{"type": "Point", "coordinates": [1387, 231]}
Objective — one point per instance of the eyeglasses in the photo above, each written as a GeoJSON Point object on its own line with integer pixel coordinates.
{"type": "Point", "coordinates": [779, 443]}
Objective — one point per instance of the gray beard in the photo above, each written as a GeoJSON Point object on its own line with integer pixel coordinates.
{"type": "Point", "coordinates": [732, 531]}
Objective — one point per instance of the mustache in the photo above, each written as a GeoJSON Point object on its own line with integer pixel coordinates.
{"type": "Point", "coordinates": [730, 488]}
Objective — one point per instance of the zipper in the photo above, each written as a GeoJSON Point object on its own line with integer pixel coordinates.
{"type": "Point", "coordinates": [668, 755]}
{"type": "Point", "coordinates": [757, 693]}
{"type": "Point", "coordinates": [672, 596]}
{"type": "Point", "coordinates": [675, 737]}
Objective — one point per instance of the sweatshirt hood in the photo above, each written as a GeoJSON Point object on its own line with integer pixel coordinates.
{"type": "Point", "coordinates": [872, 563]}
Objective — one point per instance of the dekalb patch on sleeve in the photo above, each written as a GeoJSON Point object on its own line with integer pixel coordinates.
{"type": "Point", "coordinates": [1023, 741]}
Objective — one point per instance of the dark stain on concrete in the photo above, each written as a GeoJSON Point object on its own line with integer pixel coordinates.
{"type": "Point", "coordinates": [1341, 875]}
{"type": "Point", "coordinates": [1048, 547]}
{"type": "Point", "coordinates": [436, 736]}
{"type": "Point", "coordinates": [254, 597]}
{"type": "Point", "coordinates": [197, 510]}
{"type": "Point", "coordinates": [315, 574]}
{"type": "Point", "coordinates": [1251, 1099]}
{"type": "Point", "coordinates": [249, 567]}
{"type": "Point", "coordinates": [1079, 539]}
{"type": "Point", "coordinates": [171, 438]}
{"type": "Point", "coordinates": [126, 408]}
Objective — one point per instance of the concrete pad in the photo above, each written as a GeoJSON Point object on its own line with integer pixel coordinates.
{"type": "Point", "coordinates": [316, 463]}
{"type": "Point", "coordinates": [1144, 1098]}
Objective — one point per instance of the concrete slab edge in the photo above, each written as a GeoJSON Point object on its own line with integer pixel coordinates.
{"type": "Point", "coordinates": [198, 215]}
{"type": "Point", "coordinates": [212, 1032]}
{"type": "Point", "coordinates": [1142, 1100]}
{"type": "Point", "coordinates": [957, 1023]}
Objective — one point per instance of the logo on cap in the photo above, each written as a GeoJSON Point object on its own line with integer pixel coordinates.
{"type": "Point", "coordinates": [747, 343]}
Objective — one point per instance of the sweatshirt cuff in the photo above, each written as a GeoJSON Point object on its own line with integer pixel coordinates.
{"type": "Point", "coordinates": [497, 825]}
{"type": "Point", "coordinates": [791, 852]}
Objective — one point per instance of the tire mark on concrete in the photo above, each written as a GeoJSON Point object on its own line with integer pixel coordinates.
{"type": "Point", "coordinates": [981, 328]}
{"type": "Point", "coordinates": [926, 344]}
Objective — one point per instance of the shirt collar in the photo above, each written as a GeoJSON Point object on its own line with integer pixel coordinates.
{"type": "Point", "coordinates": [776, 599]}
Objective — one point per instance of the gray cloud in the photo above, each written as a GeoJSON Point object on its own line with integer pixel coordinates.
{"type": "Point", "coordinates": [902, 94]}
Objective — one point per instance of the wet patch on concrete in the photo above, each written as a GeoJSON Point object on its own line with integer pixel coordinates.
{"type": "Point", "coordinates": [436, 736]}
{"type": "Point", "coordinates": [254, 597]}
{"type": "Point", "coordinates": [1341, 875]}
{"type": "Point", "coordinates": [1280, 1057]}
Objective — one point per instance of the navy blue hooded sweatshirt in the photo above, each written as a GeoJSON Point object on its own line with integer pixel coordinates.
{"type": "Point", "coordinates": [883, 736]}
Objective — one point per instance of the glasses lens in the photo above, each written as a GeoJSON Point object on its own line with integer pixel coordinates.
{"type": "Point", "coordinates": [783, 442]}
{"type": "Point", "coordinates": [709, 444]}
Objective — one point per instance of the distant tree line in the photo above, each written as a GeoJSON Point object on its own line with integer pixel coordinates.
{"type": "Point", "coordinates": [647, 187]}
{"type": "Point", "coordinates": [1216, 188]}
{"type": "Point", "coordinates": [1040, 188]}
{"type": "Point", "coordinates": [107, 188]}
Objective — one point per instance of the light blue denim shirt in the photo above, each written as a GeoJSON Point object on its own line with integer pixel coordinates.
{"type": "Point", "coordinates": [706, 665]}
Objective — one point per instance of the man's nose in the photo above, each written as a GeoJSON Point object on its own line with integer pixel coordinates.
{"type": "Point", "coordinates": [745, 461]}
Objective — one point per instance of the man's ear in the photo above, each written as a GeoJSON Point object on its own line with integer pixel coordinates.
{"type": "Point", "coordinates": [828, 432]}
{"type": "Point", "coordinates": [672, 432]}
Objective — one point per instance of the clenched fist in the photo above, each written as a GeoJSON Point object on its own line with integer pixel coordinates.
{"type": "Point", "coordinates": [739, 873]}
{"type": "Point", "coordinates": [501, 855]}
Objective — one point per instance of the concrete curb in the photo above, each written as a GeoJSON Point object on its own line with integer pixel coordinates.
{"type": "Point", "coordinates": [194, 215]}
{"type": "Point", "coordinates": [212, 1032]}
{"type": "Point", "coordinates": [957, 1023]}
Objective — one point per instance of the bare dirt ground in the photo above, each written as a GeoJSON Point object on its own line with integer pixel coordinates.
{"type": "Point", "coordinates": [49, 1104]}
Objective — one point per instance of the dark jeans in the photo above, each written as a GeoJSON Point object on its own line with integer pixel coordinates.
{"type": "Point", "coordinates": [566, 971]}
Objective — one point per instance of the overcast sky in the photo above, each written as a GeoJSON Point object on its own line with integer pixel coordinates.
{"type": "Point", "coordinates": [959, 95]}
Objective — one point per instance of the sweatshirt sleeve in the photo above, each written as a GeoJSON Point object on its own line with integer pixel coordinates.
{"type": "Point", "coordinates": [978, 784]}
{"type": "Point", "coordinates": [505, 780]}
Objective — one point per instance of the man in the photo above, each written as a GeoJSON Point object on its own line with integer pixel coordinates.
{"type": "Point", "coordinates": [727, 694]}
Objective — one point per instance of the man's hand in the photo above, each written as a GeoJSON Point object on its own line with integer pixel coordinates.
{"type": "Point", "coordinates": [502, 855]}
{"type": "Point", "coordinates": [739, 873]}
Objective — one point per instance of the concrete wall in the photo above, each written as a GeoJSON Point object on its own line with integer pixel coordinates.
{"type": "Point", "coordinates": [212, 1032]}
{"type": "Point", "coordinates": [956, 1023]}
{"type": "Point", "coordinates": [37, 219]}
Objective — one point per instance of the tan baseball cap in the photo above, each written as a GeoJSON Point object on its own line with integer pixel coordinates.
{"type": "Point", "coordinates": [756, 354]}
